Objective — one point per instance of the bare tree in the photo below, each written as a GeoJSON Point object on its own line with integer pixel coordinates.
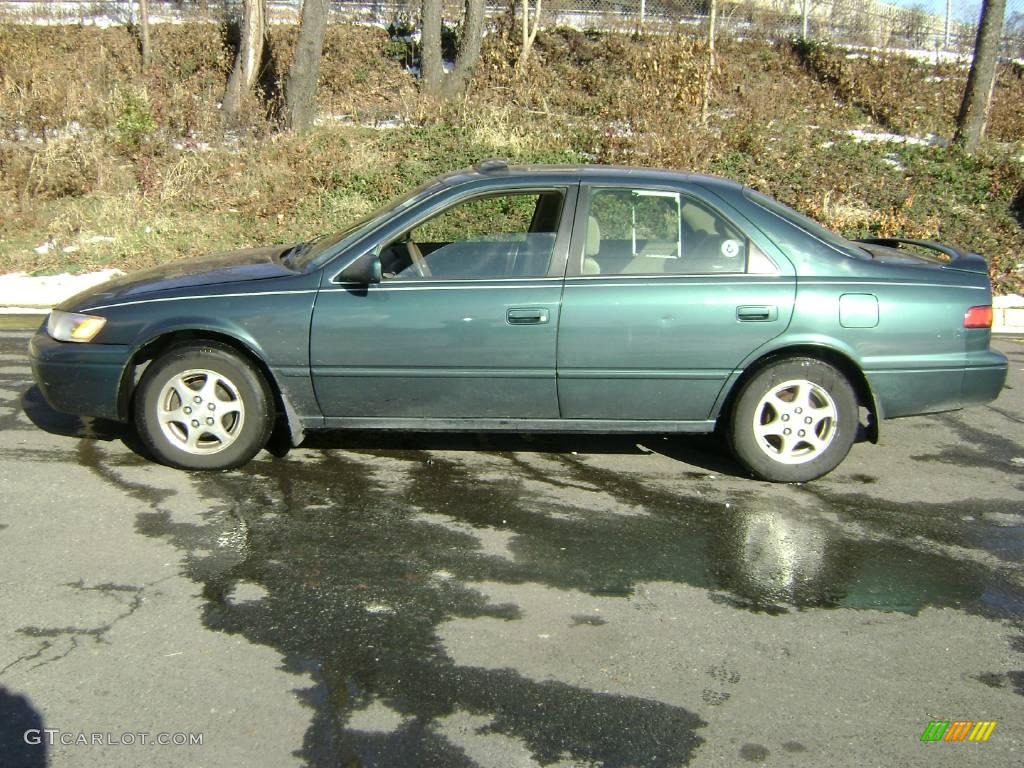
{"type": "Point", "coordinates": [529, 32]}
{"type": "Point", "coordinates": [248, 59]}
{"type": "Point", "coordinates": [435, 81]}
{"type": "Point", "coordinates": [144, 23]}
{"type": "Point", "coordinates": [805, 18]}
{"type": "Point", "coordinates": [705, 99]}
{"type": "Point", "coordinates": [970, 122]}
{"type": "Point", "coordinates": [300, 86]}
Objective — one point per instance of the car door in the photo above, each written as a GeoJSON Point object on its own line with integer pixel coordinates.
{"type": "Point", "coordinates": [664, 298]}
{"type": "Point", "coordinates": [463, 323]}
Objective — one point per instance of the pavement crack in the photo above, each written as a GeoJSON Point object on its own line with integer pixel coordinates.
{"type": "Point", "coordinates": [130, 596]}
{"type": "Point", "coordinates": [45, 646]}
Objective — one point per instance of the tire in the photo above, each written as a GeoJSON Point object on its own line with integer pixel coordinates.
{"type": "Point", "coordinates": [204, 407]}
{"type": "Point", "coordinates": [794, 420]}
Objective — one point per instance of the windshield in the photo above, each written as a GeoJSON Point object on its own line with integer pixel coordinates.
{"type": "Point", "coordinates": [808, 225]}
{"type": "Point", "coordinates": [314, 252]}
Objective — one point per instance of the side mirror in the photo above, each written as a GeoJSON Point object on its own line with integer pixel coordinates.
{"type": "Point", "coordinates": [364, 270]}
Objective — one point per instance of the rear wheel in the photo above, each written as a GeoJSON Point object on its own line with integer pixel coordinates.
{"type": "Point", "coordinates": [203, 407]}
{"type": "Point", "coordinates": [794, 420]}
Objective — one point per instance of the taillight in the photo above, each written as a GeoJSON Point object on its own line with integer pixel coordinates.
{"type": "Point", "coordinates": [978, 317]}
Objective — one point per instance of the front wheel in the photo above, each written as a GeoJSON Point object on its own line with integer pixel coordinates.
{"type": "Point", "coordinates": [794, 420]}
{"type": "Point", "coordinates": [203, 407]}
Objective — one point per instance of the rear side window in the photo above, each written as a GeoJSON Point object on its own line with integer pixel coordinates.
{"type": "Point", "coordinates": [644, 231]}
{"type": "Point", "coordinates": [806, 224]}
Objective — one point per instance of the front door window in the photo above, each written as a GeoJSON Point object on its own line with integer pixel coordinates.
{"type": "Point", "coordinates": [510, 235]}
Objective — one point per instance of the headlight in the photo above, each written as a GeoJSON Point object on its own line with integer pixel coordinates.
{"type": "Point", "coordinates": [70, 326]}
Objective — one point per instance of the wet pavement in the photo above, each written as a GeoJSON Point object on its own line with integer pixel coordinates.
{"type": "Point", "coordinates": [395, 600]}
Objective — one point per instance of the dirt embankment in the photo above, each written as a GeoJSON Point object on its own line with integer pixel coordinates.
{"type": "Point", "coordinates": [102, 163]}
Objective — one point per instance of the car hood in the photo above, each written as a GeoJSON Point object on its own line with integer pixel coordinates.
{"type": "Point", "coordinates": [234, 267]}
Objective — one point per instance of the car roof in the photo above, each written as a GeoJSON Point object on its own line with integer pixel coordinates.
{"type": "Point", "coordinates": [593, 174]}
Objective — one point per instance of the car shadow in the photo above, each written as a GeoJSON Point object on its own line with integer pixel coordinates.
{"type": "Point", "coordinates": [55, 422]}
{"type": "Point", "coordinates": [705, 452]}
{"type": "Point", "coordinates": [44, 416]}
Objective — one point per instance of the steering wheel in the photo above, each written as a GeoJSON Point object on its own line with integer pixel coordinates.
{"type": "Point", "coordinates": [420, 263]}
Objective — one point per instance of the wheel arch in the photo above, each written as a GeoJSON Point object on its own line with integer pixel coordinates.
{"type": "Point", "coordinates": [162, 341]}
{"type": "Point", "coordinates": [826, 354]}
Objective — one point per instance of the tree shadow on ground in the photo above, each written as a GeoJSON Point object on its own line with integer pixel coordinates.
{"type": "Point", "coordinates": [22, 740]}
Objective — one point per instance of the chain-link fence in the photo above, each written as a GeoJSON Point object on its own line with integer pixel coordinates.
{"type": "Point", "coordinates": [868, 23]}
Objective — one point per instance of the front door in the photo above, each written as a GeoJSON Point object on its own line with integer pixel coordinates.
{"type": "Point", "coordinates": [463, 324]}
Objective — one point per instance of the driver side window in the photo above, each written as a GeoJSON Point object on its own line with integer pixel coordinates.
{"type": "Point", "coordinates": [510, 234]}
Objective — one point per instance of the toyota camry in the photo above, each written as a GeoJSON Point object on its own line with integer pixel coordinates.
{"type": "Point", "coordinates": [538, 299]}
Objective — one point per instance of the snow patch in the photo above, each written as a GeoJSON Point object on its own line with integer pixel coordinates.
{"type": "Point", "coordinates": [892, 160]}
{"type": "Point", "coordinates": [924, 55]}
{"type": "Point", "coordinates": [883, 137]}
{"type": "Point", "coordinates": [349, 120]}
{"type": "Point", "coordinates": [30, 291]}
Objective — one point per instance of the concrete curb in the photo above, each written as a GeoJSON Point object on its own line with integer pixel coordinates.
{"type": "Point", "coordinates": [23, 294]}
{"type": "Point", "coordinates": [1008, 314]}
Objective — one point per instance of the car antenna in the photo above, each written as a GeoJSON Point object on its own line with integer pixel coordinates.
{"type": "Point", "coordinates": [492, 165]}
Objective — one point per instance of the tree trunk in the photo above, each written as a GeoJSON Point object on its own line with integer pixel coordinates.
{"type": "Point", "coordinates": [435, 81]}
{"type": "Point", "coordinates": [431, 68]}
{"type": "Point", "coordinates": [970, 122]}
{"type": "Point", "coordinates": [529, 33]}
{"type": "Point", "coordinates": [247, 60]}
{"type": "Point", "coordinates": [300, 86]}
{"type": "Point", "coordinates": [469, 50]}
{"type": "Point", "coordinates": [144, 21]}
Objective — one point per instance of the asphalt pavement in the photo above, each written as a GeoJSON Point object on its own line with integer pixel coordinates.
{"type": "Point", "coordinates": [465, 600]}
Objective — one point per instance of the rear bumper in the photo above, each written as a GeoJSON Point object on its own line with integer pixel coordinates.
{"type": "Point", "coordinates": [912, 392]}
{"type": "Point", "coordinates": [984, 382]}
{"type": "Point", "coordinates": [82, 379]}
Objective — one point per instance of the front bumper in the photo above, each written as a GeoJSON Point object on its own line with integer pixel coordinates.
{"type": "Point", "coordinates": [82, 379]}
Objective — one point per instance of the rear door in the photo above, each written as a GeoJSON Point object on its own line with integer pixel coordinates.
{"type": "Point", "coordinates": [665, 296]}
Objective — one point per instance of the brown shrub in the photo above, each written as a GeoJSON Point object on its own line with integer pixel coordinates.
{"type": "Point", "coordinates": [186, 78]}
{"type": "Point", "coordinates": [53, 76]}
{"type": "Point", "coordinates": [356, 78]}
{"type": "Point", "coordinates": [1006, 122]}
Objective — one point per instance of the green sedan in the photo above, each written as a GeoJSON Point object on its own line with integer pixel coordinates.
{"type": "Point", "coordinates": [538, 299]}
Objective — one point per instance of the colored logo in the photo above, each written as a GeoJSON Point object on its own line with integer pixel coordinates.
{"type": "Point", "coordinates": [958, 730]}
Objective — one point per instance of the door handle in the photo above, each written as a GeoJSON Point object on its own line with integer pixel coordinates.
{"type": "Point", "coordinates": [527, 316]}
{"type": "Point", "coordinates": [757, 313]}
